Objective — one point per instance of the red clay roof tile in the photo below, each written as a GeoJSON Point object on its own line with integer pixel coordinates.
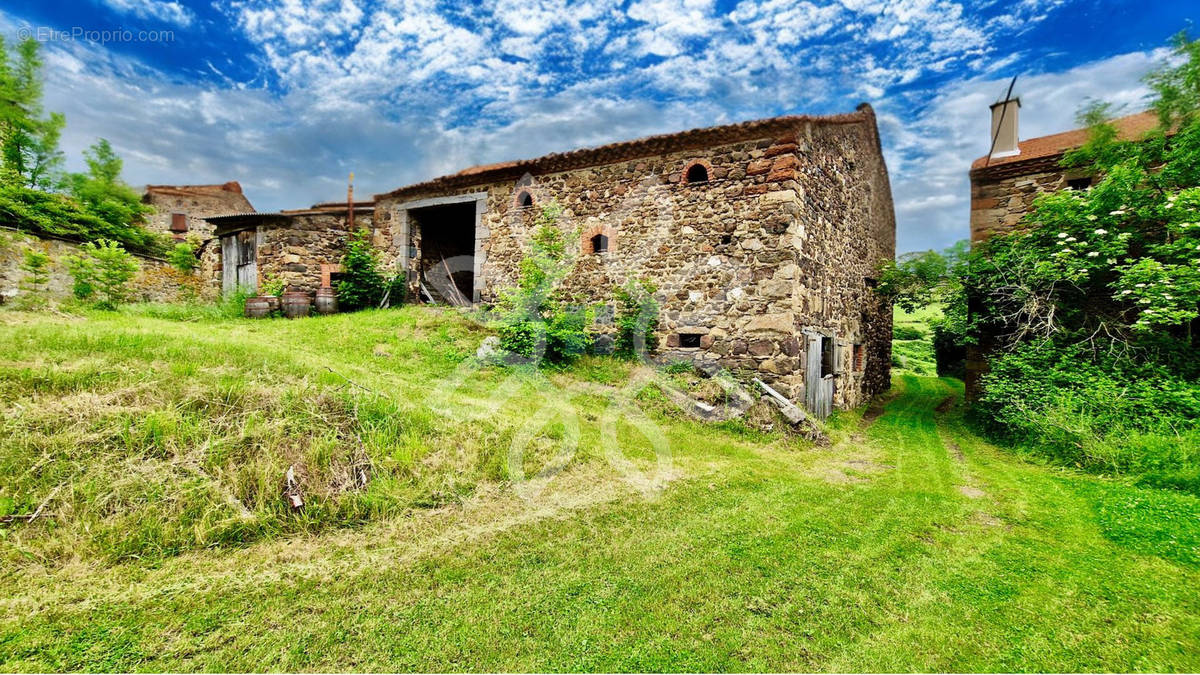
{"type": "Point", "coordinates": [1128, 127]}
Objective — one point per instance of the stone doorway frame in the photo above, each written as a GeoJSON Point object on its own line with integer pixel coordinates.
{"type": "Point", "coordinates": [481, 233]}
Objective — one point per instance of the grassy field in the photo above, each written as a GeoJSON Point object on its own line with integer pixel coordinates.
{"type": "Point", "coordinates": [914, 354]}
{"type": "Point", "coordinates": [467, 518]}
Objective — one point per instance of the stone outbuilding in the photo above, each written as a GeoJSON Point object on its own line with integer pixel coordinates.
{"type": "Point", "coordinates": [302, 248]}
{"type": "Point", "coordinates": [181, 210]}
{"type": "Point", "coordinates": [764, 239]}
{"type": "Point", "coordinates": [1005, 182]}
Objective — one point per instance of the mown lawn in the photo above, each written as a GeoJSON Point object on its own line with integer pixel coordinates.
{"type": "Point", "coordinates": [159, 446]}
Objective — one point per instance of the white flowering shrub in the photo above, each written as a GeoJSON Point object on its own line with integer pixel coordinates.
{"type": "Point", "coordinates": [1091, 310]}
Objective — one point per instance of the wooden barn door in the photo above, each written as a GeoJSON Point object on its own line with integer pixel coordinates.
{"type": "Point", "coordinates": [247, 266]}
{"type": "Point", "coordinates": [818, 375]}
{"type": "Point", "coordinates": [239, 261]}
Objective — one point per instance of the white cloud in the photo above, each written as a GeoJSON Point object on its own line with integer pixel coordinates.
{"type": "Point", "coordinates": [167, 11]}
{"type": "Point", "coordinates": [402, 90]}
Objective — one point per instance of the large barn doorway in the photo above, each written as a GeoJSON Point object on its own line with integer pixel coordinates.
{"type": "Point", "coordinates": [446, 265]}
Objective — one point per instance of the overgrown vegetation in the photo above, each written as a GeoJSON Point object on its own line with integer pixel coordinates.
{"type": "Point", "coordinates": [102, 273]}
{"type": "Point", "coordinates": [363, 284]}
{"type": "Point", "coordinates": [35, 195]}
{"type": "Point", "coordinates": [636, 319]}
{"type": "Point", "coordinates": [183, 257]}
{"type": "Point", "coordinates": [1090, 311]}
{"type": "Point", "coordinates": [929, 280]}
{"type": "Point", "coordinates": [536, 322]}
{"type": "Point", "coordinates": [912, 346]}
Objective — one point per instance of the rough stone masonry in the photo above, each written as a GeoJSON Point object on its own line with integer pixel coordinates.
{"type": "Point", "coordinates": [763, 238]}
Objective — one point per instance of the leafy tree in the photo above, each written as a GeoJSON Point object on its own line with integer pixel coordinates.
{"type": "Point", "coordinates": [103, 194]}
{"type": "Point", "coordinates": [534, 320]}
{"type": "Point", "coordinates": [924, 278]}
{"type": "Point", "coordinates": [362, 285]}
{"type": "Point", "coordinates": [83, 274]}
{"type": "Point", "coordinates": [106, 272]}
{"type": "Point", "coordinates": [28, 140]}
{"type": "Point", "coordinates": [97, 205]}
{"type": "Point", "coordinates": [36, 266]}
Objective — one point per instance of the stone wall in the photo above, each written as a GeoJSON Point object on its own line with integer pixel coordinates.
{"type": "Point", "coordinates": [295, 253]}
{"type": "Point", "coordinates": [784, 237]}
{"type": "Point", "coordinates": [196, 202]}
{"type": "Point", "coordinates": [156, 282]}
{"type": "Point", "coordinates": [1001, 197]}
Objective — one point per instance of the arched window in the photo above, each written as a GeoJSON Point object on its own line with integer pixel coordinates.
{"type": "Point", "coordinates": [599, 244]}
{"type": "Point", "coordinates": [524, 200]}
{"type": "Point", "coordinates": [697, 173]}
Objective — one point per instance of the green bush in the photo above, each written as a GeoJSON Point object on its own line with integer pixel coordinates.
{"type": "Point", "coordinates": [949, 351]}
{"type": "Point", "coordinates": [233, 304]}
{"type": "Point", "coordinates": [397, 290]}
{"type": "Point", "coordinates": [636, 320]}
{"type": "Point", "coordinates": [1107, 414]}
{"type": "Point", "coordinates": [272, 286]}
{"type": "Point", "coordinates": [362, 285]}
{"type": "Point", "coordinates": [105, 273]}
{"type": "Point", "coordinates": [36, 266]}
{"type": "Point", "coordinates": [83, 274]}
{"type": "Point", "coordinates": [183, 257]}
{"type": "Point", "coordinates": [533, 320]}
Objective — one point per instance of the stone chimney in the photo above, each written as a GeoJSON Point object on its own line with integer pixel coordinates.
{"type": "Point", "coordinates": [1004, 128]}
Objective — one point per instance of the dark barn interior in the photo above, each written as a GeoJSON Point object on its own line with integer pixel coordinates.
{"type": "Point", "coordinates": [447, 259]}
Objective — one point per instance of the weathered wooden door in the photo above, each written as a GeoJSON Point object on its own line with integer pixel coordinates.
{"type": "Point", "coordinates": [818, 375]}
{"type": "Point", "coordinates": [239, 261]}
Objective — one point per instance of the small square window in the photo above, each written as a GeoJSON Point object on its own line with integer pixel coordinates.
{"type": "Point", "coordinates": [599, 244]}
{"type": "Point", "coordinates": [689, 340]}
{"type": "Point", "coordinates": [179, 222]}
{"type": "Point", "coordinates": [1079, 183]}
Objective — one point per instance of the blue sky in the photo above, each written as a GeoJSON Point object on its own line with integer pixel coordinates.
{"type": "Point", "coordinates": [288, 96]}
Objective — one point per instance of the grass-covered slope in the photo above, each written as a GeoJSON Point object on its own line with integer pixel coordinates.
{"type": "Point", "coordinates": [912, 341]}
{"type": "Point", "coordinates": [159, 449]}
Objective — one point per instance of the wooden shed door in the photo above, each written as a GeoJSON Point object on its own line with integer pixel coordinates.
{"type": "Point", "coordinates": [818, 376]}
{"type": "Point", "coordinates": [239, 262]}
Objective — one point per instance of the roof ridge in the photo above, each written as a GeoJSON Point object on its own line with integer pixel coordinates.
{"type": "Point", "coordinates": [1050, 145]}
{"type": "Point", "coordinates": [632, 149]}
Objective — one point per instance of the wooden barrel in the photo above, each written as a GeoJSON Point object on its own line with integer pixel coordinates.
{"type": "Point", "coordinates": [326, 300]}
{"type": "Point", "coordinates": [273, 301]}
{"type": "Point", "coordinates": [258, 307]}
{"type": "Point", "coordinates": [295, 304]}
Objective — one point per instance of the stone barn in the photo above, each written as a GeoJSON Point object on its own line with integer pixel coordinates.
{"type": "Point", "coordinates": [763, 238]}
{"type": "Point", "coordinates": [303, 248]}
{"type": "Point", "coordinates": [181, 210]}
